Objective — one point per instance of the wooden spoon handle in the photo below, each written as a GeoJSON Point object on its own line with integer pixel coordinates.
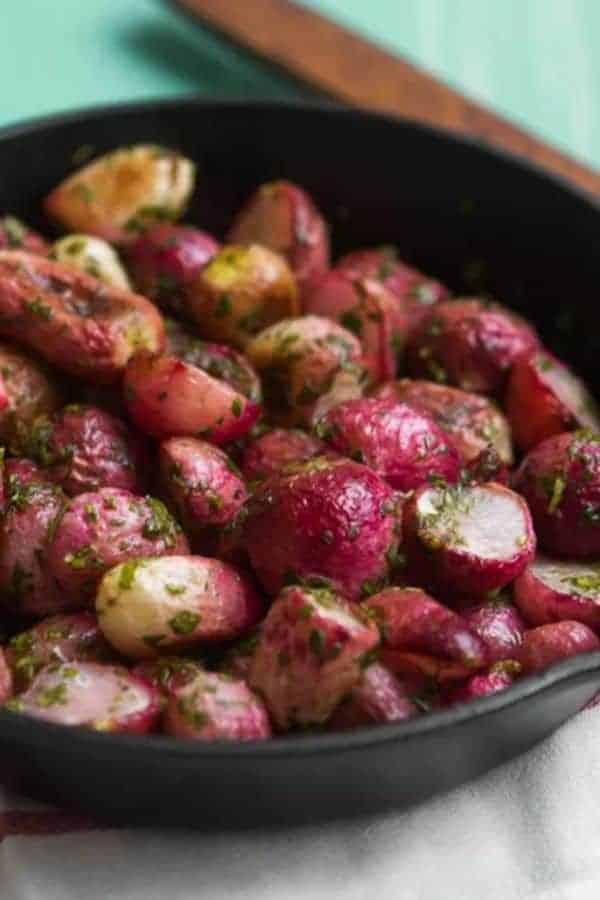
{"type": "Point", "coordinates": [344, 66]}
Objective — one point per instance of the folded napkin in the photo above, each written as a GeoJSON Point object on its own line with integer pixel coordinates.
{"type": "Point", "coordinates": [530, 829]}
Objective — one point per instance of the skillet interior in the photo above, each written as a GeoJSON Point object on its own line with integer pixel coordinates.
{"type": "Point", "coordinates": [477, 219]}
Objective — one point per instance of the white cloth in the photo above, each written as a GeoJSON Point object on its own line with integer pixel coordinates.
{"type": "Point", "coordinates": [530, 829]}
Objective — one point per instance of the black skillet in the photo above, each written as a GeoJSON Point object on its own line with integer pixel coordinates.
{"type": "Point", "coordinates": [477, 219]}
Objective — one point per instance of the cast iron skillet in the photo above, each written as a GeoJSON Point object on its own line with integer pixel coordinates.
{"type": "Point", "coordinates": [477, 219]}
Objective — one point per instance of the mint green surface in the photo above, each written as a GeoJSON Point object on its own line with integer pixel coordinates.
{"type": "Point", "coordinates": [536, 61]}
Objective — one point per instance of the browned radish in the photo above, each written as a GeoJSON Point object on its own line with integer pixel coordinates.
{"type": "Point", "coordinates": [166, 397]}
{"type": "Point", "coordinates": [147, 607]}
{"type": "Point", "coordinates": [204, 486]}
{"type": "Point", "coordinates": [401, 444]}
{"type": "Point", "coordinates": [92, 695]}
{"type": "Point", "coordinates": [123, 192]}
{"type": "Point", "coordinates": [72, 320]}
{"type": "Point", "coordinates": [560, 479]}
{"type": "Point", "coordinates": [548, 644]}
{"type": "Point", "coordinates": [216, 707]}
{"type": "Point", "coordinates": [378, 697]}
{"type": "Point", "coordinates": [468, 540]}
{"type": "Point", "coordinates": [243, 289]}
{"type": "Point", "coordinates": [472, 422]}
{"type": "Point", "coordinates": [544, 398]}
{"type": "Point", "coordinates": [551, 590]}
{"type": "Point", "coordinates": [282, 216]}
{"type": "Point", "coordinates": [311, 650]}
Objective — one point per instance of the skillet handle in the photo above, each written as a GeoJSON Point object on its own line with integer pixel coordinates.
{"type": "Point", "coordinates": [340, 64]}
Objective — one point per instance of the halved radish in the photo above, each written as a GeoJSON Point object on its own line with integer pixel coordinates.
{"type": "Point", "coordinates": [544, 397]}
{"type": "Point", "coordinates": [166, 397]}
{"type": "Point", "coordinates": [311, 651]}
{"type": "Point", "coordinates": [101, 697]}
{"type": "Point", "coordinates": [552, 590]}
{"type": "Point", "coordinates": [468, 540]}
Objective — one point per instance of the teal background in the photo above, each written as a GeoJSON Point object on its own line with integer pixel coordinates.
{"type": "Point", "coordinates": [536, 61]}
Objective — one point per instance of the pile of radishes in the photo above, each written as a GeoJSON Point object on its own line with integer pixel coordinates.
{"type": "Point", "coordinates": [291, 504]}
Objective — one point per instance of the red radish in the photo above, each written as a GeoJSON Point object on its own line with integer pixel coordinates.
{"type": "Point", "coordinates": [363, 307]}
{"type": "Point", "coordinates": [548, 644]}
{"type": "Point", "coordinates": [165, 258]}
{"type": "Point", "coordinates": [123, 192]}
{"type": "Point", "coordinates": [470, 344]}
{"type": "Point", "coordinates": [84, 327]}
{"type": "Point", "coordinates": [215, 707]}
{"type": "Point", "coordinates": [204, 485]}
{"type": "Point", "coordinates": [415, 293]}
{"type": "Point", "coordinates": [26, 587]}
{"type": "Point", "coordinates": [147, 607]}
{"type": "Point", "coordinates": [560, 479]}
{"type": "Point", "coordinates": [271, 452]}
{"type": "Point", "coordinates": [468, 540]}
{"type": "Point", "coordinates": [282, 216]}
{"type": "Point", "coordinates": [544, 398]}
{"type": "Point", "coordinates": [401, 444]}
{"type": "Point", "coordinates": [92, 695]}
{"type": "Point", "coordinates": [331, 519]}
{"type": "Point", "coordinates": [312, 648]}
{"type": "Point", "coordinates": [472, 422]}
{"type": "Point", "coordinates": [169, 398]}
{"type": "Point", "coordinates": [378, 697]}
{"type": "Point", "coordinates": [242, 290]}
{"type": "Point", "coordinates": [499, 626]}
{"type": "Point", "coordinates": [82, 448]}
{"type": "Point", "coordinates": [299, 361]}
{"type": "Point", "coordinates": [57, 639]}
{"type": "Point", "coordinates": [498, 678]}
{"type": "Point", "coordinates": [101, 529]}
{"type": "Point", "coordinates": [218, 360]}
{"type": "Point", "coordinates": [409, 619]}
{"type": "Point", "coordinates": [551, 590]}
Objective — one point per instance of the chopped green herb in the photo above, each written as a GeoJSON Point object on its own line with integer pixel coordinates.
{"type": "Point", "coordinates": [175, 589]}
{"type": "Point", "coordinates": [127, 574]}
{"type": "Point", "coordinates": [184, 622]}
{"type": "Point", "coordinates": [223, 307]}
{"type": "Point", "coordinates": [52, 696]}
{"type": "Point", "coordinates": [236, 407]}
